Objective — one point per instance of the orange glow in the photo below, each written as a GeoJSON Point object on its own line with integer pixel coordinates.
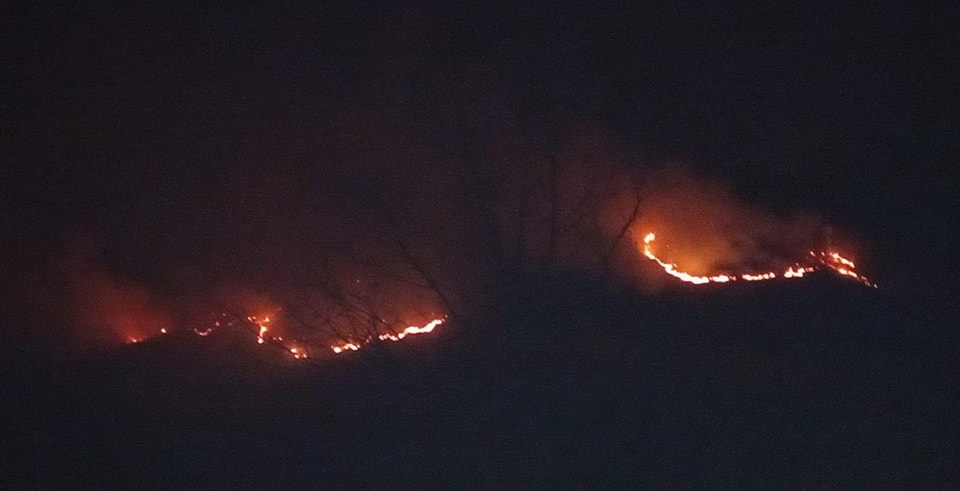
{"type": "Point", "coordinates": [841, 265]}
{"type": "Point", "coordinates": [830, 260]}
{"type": "Point", "coordinates": [412, 330]}
{"type": "Point", "coordinates": [263, 337]}
{"type": "Point", "coordinates": [797, 272]}
{"type": "Point", "coordinates": [297, 349]}
{"type": "Point", "coordinates": [759, 277]}
{"type": "Point", "coordinates": [345, 347]}
{"type": "Point", "coordinates": [672, 270]}
{"type": "Point", "coordinates": [298, 353]}
{"type": "Point", "coordinates": [409, 331]}
{"type": "Point", "coordinates": [262, 325]}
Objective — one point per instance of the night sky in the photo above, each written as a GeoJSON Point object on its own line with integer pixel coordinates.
{"type": "Point", "coordinates": [159, 130]}
{"type": "Point", "coordinates": [180, 150]}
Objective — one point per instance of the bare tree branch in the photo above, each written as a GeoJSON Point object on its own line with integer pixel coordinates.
{"type": "Point", "coordinates": [623, 229]}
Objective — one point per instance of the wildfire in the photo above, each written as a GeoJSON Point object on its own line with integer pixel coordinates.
{"type": "Point", "coordinates": [410, 330]}
{"type": "Point", "coordinates": [830, 260]}
{"type": "Point", "coordinates": [262, 324]}
{"type": "Point", "coordinates": [427, 328]}
{"type": "Point", "coordinates": [345, 347]}
{"type": "Point", "coordinates": [295, 349]}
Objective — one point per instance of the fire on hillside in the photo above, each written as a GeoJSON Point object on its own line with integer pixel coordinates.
{"type": "Point", "coordinates": [814, 261]}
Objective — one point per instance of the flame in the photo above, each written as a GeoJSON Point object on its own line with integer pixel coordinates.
{"type": "Point", "coordinates": [263, 330]}
{"type": "Point", "coordinates": [345, 347]}
{"type": "Point", "coordinates": [261, 326]}
{"type": "Point", "coordinates": [298, 350]}
{"type": "Point", "coordinates": [427, 328]}
{"type": "Point", "coordinates": [841, 265]}
{"type": "Point", "coordinates": [797, 272]}
{"type": "Point", "coordinates": [830, 260]}
{"type": "Point", "coordinates": [298, 353]}
{"type": "Point", "coordinates": [759, 277]}
{"type": "Point", "coordinates": [410, 330]}
{"type": "Point", "coordinates": [672, 270]}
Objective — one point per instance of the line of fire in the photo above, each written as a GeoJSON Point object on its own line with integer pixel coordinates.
{"type": "Point", "coordinates": [262, 331]}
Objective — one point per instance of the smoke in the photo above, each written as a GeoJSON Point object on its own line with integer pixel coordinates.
{"type": "Point", "coordinates": [374, 245]}
{"type": "Point", "coordinates": [586, 205]}
{"type": "Point", "coordinates": [91, 306]}
{"type": "Point", "coordinates": [582, 202]}
{"type": "Point", "coordinates": [703, 228]}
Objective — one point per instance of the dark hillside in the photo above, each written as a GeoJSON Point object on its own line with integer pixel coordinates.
{"type": "Point", "coordinates": [810, 384]}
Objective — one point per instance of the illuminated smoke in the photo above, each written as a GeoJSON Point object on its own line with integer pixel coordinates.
{"type": "Point", "coordinates": [101, 307]}
{"type": "Point", "coordinates": [587, 210]}
{"type": "Point", "coordinates": [705, 229]}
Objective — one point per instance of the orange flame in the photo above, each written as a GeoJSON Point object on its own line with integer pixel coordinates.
{"type": "Point", "coordinates": [345, 347]}
{"type": "Point", "coordinates": [410, 330]}
{"type": "Point", "coordinates": [298, 350]}
{"type": "Point", "coordinates": [261, 328]}
{"type": "Point", "coordinates": [830, 260]}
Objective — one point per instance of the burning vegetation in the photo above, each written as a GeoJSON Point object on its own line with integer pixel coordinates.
{"type": "Point", "coordinates": [260, 328]}
{"type": "Point", "coordinates": [446, 246]}
{"type": "Point", "coordinates": [823, 260]}
{"type": "Point", "coordinates": [709, 238]}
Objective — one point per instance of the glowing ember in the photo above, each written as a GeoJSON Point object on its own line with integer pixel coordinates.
{"type": "Point", "coordinates": [260, 325]}
{"type": "Point", "coordinates": [830, 260]}
{"type": "Point", "coordinates": [759, 277]}
{"type": "Point", "coordinates": [298, 353]}
{"type": "Point", "coordinates": [263, 337]}
{"type": "Point", "coordinates": [797, 272]}
{"type": "Point", "coordinates": [345, 347]}
{"type": "Point", "coordinates": [296, 349]}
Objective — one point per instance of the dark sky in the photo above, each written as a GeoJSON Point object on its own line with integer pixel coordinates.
{"type": "Point", "coordinates": [186, 135]}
